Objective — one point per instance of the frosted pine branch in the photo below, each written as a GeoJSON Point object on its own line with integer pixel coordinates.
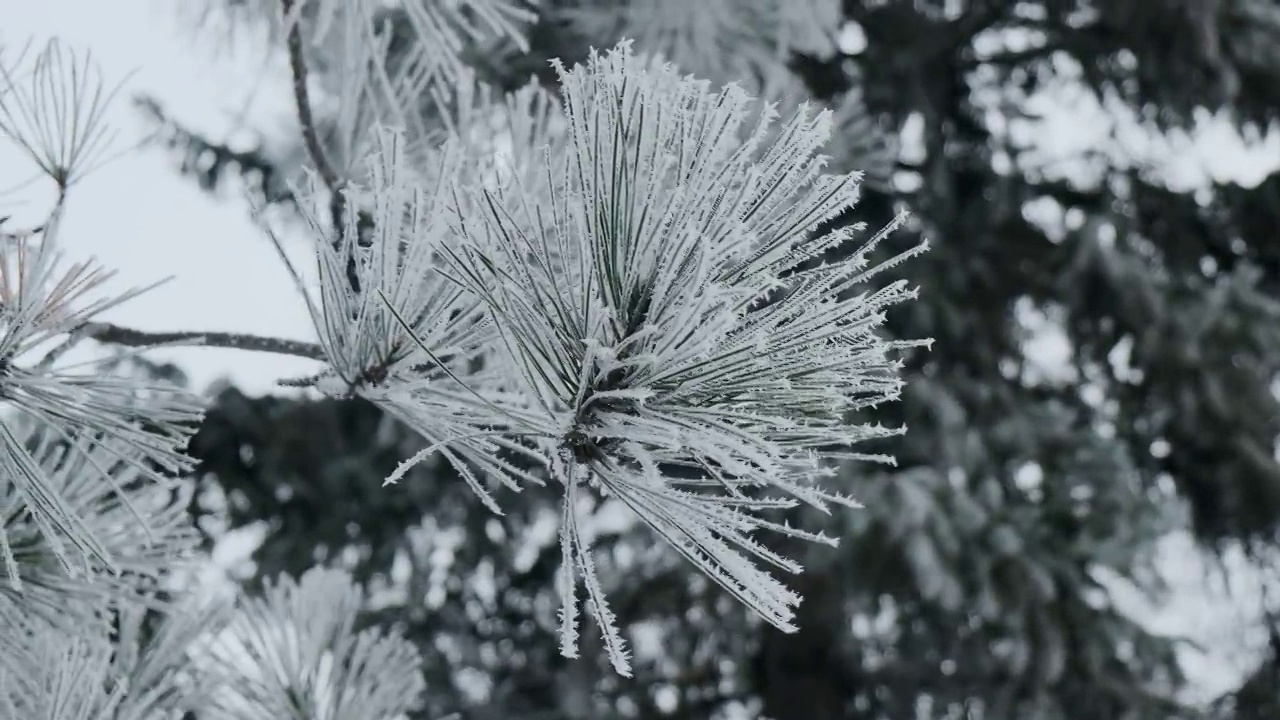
{"type": "Point", "coordinates": [643, 289]}
{"type": "Point", "coordinates": [52, 106]}
{"type": "Point", "coordinates": [95, 673]}
{"type": "Point", "coordinates": [39, 302]}
{"type": "Point", "coordinates": [655, 273]}
{"type": "Point", "coordinates": [120, 559]}
{"type": "Point", "coordinates": [295, 654]}
{"type": "Point", "coordinates": [721, 40]}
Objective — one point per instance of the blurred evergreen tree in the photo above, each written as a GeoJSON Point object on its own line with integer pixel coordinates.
{"type": "Point", "coordinates": [978, 582]}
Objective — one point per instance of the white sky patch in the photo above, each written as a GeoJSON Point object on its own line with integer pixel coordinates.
{"type": "Point", "coordinates": [139, 217]}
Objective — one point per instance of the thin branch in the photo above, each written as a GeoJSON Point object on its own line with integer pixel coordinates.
{"type": "Point", "coordinates": [128, 337]}
{"type": "Point", "coordinates": [311, 138]}
{"type": "Point", "coordinates": [302, 98]}
{"type": "Point", "coordinates": [304, 382]}
{"type": "Point", "coordinates": [253, 165]}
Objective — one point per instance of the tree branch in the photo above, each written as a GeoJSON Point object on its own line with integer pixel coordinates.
{"type": "Point", "coordinates": [128, 337]}
{"type": "Point", "coordinates": [311, 138]}
{"type": "Point", "coordinates": [302, 98]}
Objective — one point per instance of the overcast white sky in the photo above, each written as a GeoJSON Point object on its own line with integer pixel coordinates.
{"type": "Point", "coordinates": [138, 216]}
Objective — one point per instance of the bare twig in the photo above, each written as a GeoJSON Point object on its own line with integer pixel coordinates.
{"type": "Point", "coordinates": [303, 382]}
{"type": "Point", "coordinates": [128, 337]}
{"type": "Point", "coordinates": [302, 98]}
{"type": "Point", "coordinates": [311, 137]}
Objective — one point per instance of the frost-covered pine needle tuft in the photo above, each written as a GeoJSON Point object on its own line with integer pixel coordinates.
{"type": "Point", "coordinates": [60, 676]}
{"type": "Point", "coordinates": [658, 309]}
{"type": "Point", "coordinates": [95, 673]}
{"type": "Point", "coordinates": [34, 559]}
{"type": "Point", "coordinates": [52, 106]}
{"type": "Point", "coordinates": [155, 660]}
{"type": "Point", "coordinates": [136, 425]}
{"type": "Point", "coordinates": [399, 332]}
{"type": "Point", "coordinates": [294, 654]}
{"type": "Point", "coordinates": [440, 30]}
{"type": "Point", "coordinates": [720, 40]}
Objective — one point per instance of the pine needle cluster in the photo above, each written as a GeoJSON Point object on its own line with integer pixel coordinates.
{"type": "Point", "coordinates": [647, 289]}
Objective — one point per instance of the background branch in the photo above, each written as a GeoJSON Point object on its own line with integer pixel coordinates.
{"type": "Point", "coordinates": [310, 136]}
{"type": "Point", "coordinates": [116, 335]}
{"type": "Point", "coordinates": [302, 98]}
